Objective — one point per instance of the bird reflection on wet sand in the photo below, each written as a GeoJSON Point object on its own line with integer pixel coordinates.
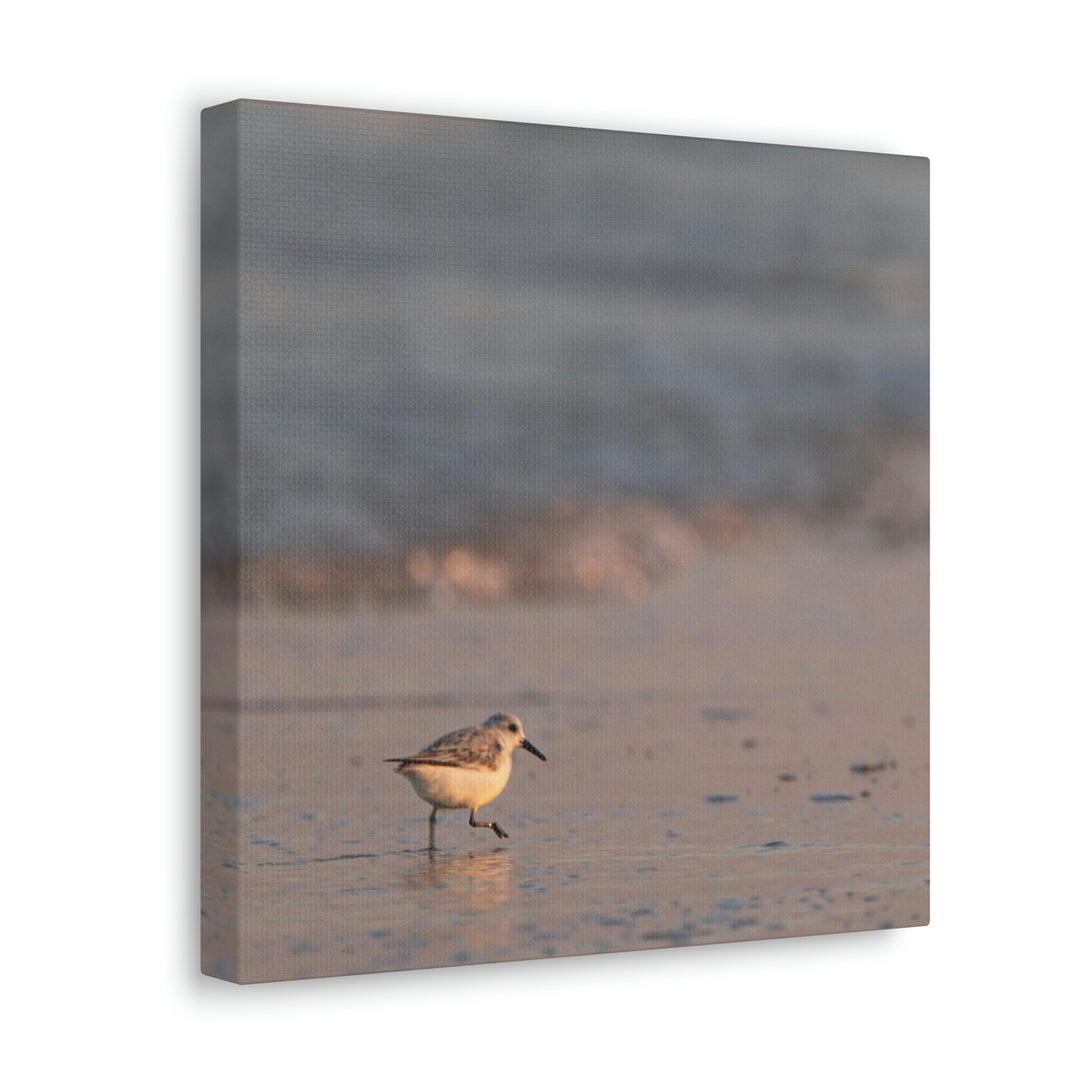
{"type": "Point", "coordinates": [480, 882]}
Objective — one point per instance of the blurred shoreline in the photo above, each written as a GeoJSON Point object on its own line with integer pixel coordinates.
{"type": "Point", "coordinates": [614, 547]}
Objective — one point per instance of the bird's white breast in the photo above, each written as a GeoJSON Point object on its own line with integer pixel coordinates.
{"type": "Point", "coordinates": [450, 787]}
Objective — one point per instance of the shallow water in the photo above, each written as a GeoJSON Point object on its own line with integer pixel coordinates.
{"type": "Point", "coordinates": [470, 902]}
{"type": "Point", "coordinates": [742, 756]}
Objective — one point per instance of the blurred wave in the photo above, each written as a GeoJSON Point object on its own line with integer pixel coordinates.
{"type": "Point", "coordinates": [445, 323]}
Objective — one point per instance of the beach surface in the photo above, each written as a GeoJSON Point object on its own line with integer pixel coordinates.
{"type": "Point", "coordinates": [743, 753]}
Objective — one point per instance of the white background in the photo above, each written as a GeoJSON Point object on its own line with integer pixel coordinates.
{"type": "Point", "coordinates": [100, 438]}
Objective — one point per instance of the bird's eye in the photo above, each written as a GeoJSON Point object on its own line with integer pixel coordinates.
{"type": "Point", "coordinates": [513, 727]}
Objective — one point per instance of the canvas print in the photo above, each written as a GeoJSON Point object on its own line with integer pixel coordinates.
{"type": "Point", "coordinates": [565, 541]}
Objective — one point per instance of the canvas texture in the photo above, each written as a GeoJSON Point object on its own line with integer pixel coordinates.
{"type": "Point", "coordinates": [599, 454]}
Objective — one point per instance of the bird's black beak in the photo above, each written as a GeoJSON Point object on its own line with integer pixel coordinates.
{"type": "Point", "coordinates": [526, 745]}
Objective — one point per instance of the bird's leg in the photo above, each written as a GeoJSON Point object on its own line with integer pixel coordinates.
{"type": "Point", "coordinates": [487, 825]}
{"type": "Point", "coordinates": [431, 829]}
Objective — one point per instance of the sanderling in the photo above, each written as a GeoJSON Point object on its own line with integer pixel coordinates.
{"type": "Point", "coordinates": [466, 769]}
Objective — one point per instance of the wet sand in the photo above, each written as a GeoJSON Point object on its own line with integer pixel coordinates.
{"type": "Point", "coordinates": [742, 755]}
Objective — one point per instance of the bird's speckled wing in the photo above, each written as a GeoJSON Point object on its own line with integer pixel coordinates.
{"type": "Point", "coordinates": [469, 748]}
